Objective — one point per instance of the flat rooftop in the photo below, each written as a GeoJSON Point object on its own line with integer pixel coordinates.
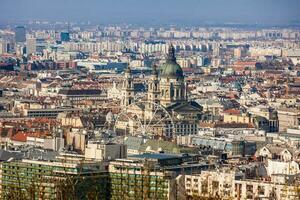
{"type": "Point", "coordinates": [158, 156]}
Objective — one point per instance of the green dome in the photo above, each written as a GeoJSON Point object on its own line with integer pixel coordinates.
{"type": "Point", "coordinates": [171, 67]}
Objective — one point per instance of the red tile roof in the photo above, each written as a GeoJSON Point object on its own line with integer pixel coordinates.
{"type": "Point", "coordinates": [20, 137]}
{"type": "Point", "coordinates": [233, 111]}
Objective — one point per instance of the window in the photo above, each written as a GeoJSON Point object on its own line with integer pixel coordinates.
{"type": "Point", "coordinates": [249, 190]}
{"type": "Point", "coordinates": [261, 190]}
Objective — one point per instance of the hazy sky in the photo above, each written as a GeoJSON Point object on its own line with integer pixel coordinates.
{"type": "Point", "coordinates": [153, 11]}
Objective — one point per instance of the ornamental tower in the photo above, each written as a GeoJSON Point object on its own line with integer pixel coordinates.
{"type": "Point", "coordinates": [127, 88]}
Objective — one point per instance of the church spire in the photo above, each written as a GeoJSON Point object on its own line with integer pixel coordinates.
{"type": "Point", "coordinates": [153, 91]}
{"type": "Point", "coordinates": [154, 70]}
{"type": "Point", "coordinates": [171, 54]}
{"type": "Point", "coordinates": [127, 88]}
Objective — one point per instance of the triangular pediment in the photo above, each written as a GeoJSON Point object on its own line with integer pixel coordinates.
{"type": "Point", "coordinates": [185, 107]}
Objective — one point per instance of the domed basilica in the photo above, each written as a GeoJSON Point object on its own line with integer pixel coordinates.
{"type": "Point", "coordinates": [166, 89]}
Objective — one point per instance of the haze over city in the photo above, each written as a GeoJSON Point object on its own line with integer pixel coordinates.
{"type": "Point", "coordinates": [155, 11]}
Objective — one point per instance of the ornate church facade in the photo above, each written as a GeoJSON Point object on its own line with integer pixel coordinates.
{"type": "Point", "coordinates": [167, 89]}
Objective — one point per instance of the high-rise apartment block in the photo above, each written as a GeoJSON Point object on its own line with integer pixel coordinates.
{"type": "Point", "coordinates": [20, 34]}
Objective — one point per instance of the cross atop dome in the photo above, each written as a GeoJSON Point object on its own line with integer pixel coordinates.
{"type": "Point", "coordinates": [171, 53]}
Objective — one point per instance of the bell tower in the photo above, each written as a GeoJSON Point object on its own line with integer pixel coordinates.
{"type": "Point", "coordinates": [127, 88]}
{"type": "Point", "coordinates": [153, 93]}
{"type": "Point", "coordinates": [153, 86]}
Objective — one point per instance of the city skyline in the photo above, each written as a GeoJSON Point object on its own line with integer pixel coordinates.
{"type": "Point", "coordinates": [150, 99]}
{"type": "Point", "coordinates": [155, 12]}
